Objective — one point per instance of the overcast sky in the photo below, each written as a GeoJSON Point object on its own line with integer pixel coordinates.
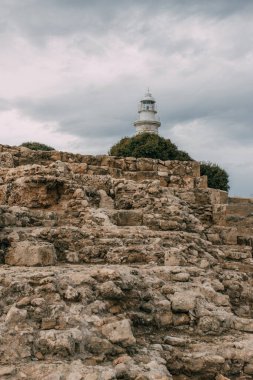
{"type": "Point", "coordinates": [72, 73]}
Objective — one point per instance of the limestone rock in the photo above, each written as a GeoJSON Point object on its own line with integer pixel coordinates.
{"type": "Point", "coordinates": [61, 343]}
{"type": "Point", "coordinates": [249, 369]}
{"type": "Point", "coordinates": [175, 341]}
{"type": "Point", "coordinates": [27, 253]}
{"type": "Point", "coordinates": [110, 290]}
{"type": "Point", "coordinates": [172, 257]}
{"type": "Point", "coordinates": [6, 160]}
{"type": "Point", "coordinates": [183, 302]}
{"type": "Point", "coordinates": [15, 316]}
{"type": "Point", "coordinates": [7, 370]}
{"type": "Point", "coordinates": [119, 332]}
{"type": "Point", "coordinates": [221, 377]}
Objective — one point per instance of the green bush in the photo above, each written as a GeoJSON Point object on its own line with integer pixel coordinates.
{"type": "Point", "coordinates": [36, 146]}
{"type": "Point", "coordinates": [217, 177]}
{"type": "Point", "coordinates": [150, 146]}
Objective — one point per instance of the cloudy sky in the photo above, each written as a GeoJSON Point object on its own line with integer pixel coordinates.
{"type": "Point", "coordinates": [73, 71]}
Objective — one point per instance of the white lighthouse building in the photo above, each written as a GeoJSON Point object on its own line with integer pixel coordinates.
{"type": "Point", "coordinates": [148, 121]}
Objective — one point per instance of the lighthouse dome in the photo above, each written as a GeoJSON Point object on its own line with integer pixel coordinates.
{"type": "Point", "coordinates": [148, 97]}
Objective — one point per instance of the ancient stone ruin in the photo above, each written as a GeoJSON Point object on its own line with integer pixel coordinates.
{"type": "Point", "coordinates": [121, 269]}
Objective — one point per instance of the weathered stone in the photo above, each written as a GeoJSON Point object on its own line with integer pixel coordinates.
{"type": "Point", "coordinates": [221, 377]}
{"type": "Point", "coordinates": [110, 290]}
{"type": "Point", "coordinates": [175, 341]}
{"type": "Point", "coordinates": [48, 324]}
{"type": "Point", "coordinates": [28, 253]}
{"type": "Point", "coordinates": [54, 376]}
{"type": "Point", "coordinates": [71, 294]}
{"type": "Point", "coordinates": [242, 324]}
{"type": "Point", "coordinates": [181, 277]}
{"type": "Point", "coordinates": [128, 218]}
{"type": "Point", "coordinates": [164, 318]}
{"type": "Point", "coordinates": [248, 369]}
{"type": "Point", "coordinates": [75, 375]}
{"type": "Point", "coordinates": [181, 319]}
{"type": "Point", "coordinates": [6, 160]}
{"type": "Point", "coordinates": [209, 325]}
{"type": "Point", "coordinates": [183, 302]}
{"type": "Point", "coordinates": [98, 346]}
{"type": "Point", "coordinates": [144, 164]}
{"type": "Point", "coordinates": [15, 315]}
{"type": "Point", "coordinates": [7, 370]}
{"type": "Point", "coordinates": [172, 257]}
{"type": "Point", "coordinates": [119, 332]}
{"type": "Point", "coordinates": [105, 200]}
{"type": "Point", "coordinates": [61, 343]}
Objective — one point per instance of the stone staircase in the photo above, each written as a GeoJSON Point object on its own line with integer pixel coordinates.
{"type": "Point", "coordinates": [105, 277]}
{"type": "Point", "coordinates": [239, 213]}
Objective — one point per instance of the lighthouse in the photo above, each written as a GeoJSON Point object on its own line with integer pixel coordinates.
{"type": "Point", "coordinates": [148, 121]}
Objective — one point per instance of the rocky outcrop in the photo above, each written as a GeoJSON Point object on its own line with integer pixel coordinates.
{"type": "Point", "coordinates": [121, 269]}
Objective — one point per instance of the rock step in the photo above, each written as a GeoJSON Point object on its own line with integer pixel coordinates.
{"type": "Point", "coordinates": [237, 252]}
{"type": "Point", "coordinates": [157, 220]}
{"type": "Point", "coordinates": [116, 246]}
{"type": "Point", "coordinates": [105, 251]}
{"type": "Point", "coordinates": [245, 240]}
{"type": "Point", "coordinates": [240, 267]}
{"type": "Point", "coordinates": [240, 210]}
{"type": "Point", "coordinates": [207, 359]}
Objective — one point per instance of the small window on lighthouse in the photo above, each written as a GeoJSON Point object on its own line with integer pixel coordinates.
{"type": "Point", "coordinates": [147, 107]}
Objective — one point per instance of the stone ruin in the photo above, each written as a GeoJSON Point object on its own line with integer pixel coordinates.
{"type": "Point", "coordinates": [121, 268]}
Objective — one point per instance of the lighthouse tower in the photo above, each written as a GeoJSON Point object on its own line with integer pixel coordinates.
{"type": "Point", "coordinates": [148, 121]}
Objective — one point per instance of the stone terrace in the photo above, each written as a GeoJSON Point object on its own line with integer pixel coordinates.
{"type": "Point", "coordinates": [121, 268]}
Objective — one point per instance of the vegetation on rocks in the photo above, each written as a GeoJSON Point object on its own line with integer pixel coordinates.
{"type": "Point", "coordinates": [149, 146]}
{"type": "Point", "coordinates": [217, 177]}
{"type": "Point", "coordinates": [154, 146]}
{"type": "Point", "coordinates": [33, 145]}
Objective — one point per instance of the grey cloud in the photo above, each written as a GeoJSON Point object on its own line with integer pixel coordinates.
{"type": "Point", "coordinates": [232, 124]}
{"type": "Point", "coordinates": [5, 105]}
{"type": "Point", "coordinates": [41, 19]}
{"type": "Point", "coordinates": [111, 111]}
{"type": "Point", "coordinates": [85, 113]}
{"type": "Point", "coordinates": [194, 78]}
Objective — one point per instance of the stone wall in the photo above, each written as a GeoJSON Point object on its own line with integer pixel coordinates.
{"type": "Point", "coordinates": [173, 174]}
{"type": "Point", "coordinates": [239, 214]}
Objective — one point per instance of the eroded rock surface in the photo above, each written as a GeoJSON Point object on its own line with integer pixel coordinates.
{"type": "Point", "coordinates": [121, 269]}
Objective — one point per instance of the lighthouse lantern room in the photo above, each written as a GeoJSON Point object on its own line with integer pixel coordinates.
{"type": "Point", "coordinates": [148, 121]}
